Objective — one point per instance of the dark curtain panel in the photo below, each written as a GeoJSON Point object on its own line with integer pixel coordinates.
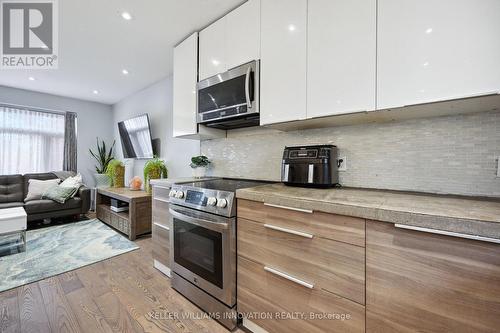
{"type": "Point", "coordinates": [69, 163]}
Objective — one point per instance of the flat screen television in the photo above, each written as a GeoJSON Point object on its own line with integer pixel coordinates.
{"type": "Point", "coordinates": [135, 135]}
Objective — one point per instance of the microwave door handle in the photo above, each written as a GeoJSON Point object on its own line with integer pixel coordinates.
{"type": "Point", "coordinates": [247, 87]}
{"type": "Point", "coordinates": [220, 227]}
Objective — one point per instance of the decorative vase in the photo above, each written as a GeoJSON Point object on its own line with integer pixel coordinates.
{"type": "Point", "coordinates": [153, 174]}
{"type": "Point", "coordinates": [199, 172]}
{"type": "Point", "coordinates": [119, 176]}
{"type": "Point", "coordinates": [102, 180]}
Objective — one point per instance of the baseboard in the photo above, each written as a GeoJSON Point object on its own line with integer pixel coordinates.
{"type": "Point", "coordinates": [251, 326]}
{"type": "Point", "coordinates": [162, 268]}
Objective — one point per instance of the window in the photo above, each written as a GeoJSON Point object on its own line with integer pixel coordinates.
{"type": "Point", "coordinates": [30, 141]}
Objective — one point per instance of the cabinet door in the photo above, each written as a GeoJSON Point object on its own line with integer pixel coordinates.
{"type": "Point", "coordinates": [213, 49]}
{"type": "Point", "coordinates": [243, 34]}
{"type": "Point", "coordinates": [283, 60]}
{"type": "Point", "coordinates": [185, 78]}
{"type": "Point", "coordinates": [436, 50]}
{"type": "Point", "coordinates": [341, 59]}
{"type": "Point", "coordinates": [421, 282]}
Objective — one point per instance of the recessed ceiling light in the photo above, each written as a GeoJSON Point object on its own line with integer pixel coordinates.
{"type": "Point", "coordinates": [291, 27]}
{"type": "Point", "coordinates": [95, 92]}
{"type": "Point", "coordinates": [126, 16]}
{"type": "Point", "coordinates": [124, 72]}
{"type": "Point", "coordinates": [428, 31]}
{"type": "Point", "coordinates": [215, 62]}
{"type": "Point", "coordinates": [425, 64]}
{"type": "Point", "coordinates": [31, 78]}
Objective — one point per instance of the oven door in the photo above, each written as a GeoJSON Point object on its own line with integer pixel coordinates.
{"type": "Point", "coordinates": [204, 251]}
{"type": "Point", "coordinates": [233, 94]}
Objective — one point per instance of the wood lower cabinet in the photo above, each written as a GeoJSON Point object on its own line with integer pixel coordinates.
{"type": "Point", "coordinates": [420, 282]}
{"type": "Point", "coordinates": [306, 270]}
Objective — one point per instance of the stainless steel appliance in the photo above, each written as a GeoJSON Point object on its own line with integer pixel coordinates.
{"type": "Point", "coordinates": [310, 166]}
{"type": "Point", "coordinates": [203, 218]}
{"type": "Point", "coordinates": [230, 99]}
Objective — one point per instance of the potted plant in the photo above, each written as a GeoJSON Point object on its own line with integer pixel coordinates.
{"type": "Point", "coordinates": [116, 172]}
{"type": "Point", "coordinates": [103, 157]}
{"type": "Point", "coordinates": [154, 169]}
{"type": "Point", "coordinates": [199, 165]}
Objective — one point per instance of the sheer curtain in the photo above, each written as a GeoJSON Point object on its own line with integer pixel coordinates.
{"type": "Point", "coordinates": [30, 141]}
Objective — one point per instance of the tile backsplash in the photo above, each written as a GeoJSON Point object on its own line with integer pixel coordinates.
{"type": "Point", "coordinates": [451, 155]}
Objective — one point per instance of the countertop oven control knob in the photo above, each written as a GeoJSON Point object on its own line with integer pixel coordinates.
{"type": "Point", "coordinates": [212, 201]}
{"type": "Point", "coordinates": [222, 203]}
{"type": "Point", "coordinates": [179, 195]}
{"type": "Point", "coordinates": [172, 193]}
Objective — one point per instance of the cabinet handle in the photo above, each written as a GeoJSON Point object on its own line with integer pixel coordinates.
{"type": "Point", "coordinates": [288, 231]}
{"type": "Point", "coordinates": [289, 277]}
{"type": "Point", "coordinates": [247, 88]}
{"type": "Point", "coordinates": [161, 226]}
{"type": "Point", "coordinates": [162, 200]}
{"type": "Point", "coordinates": [289, 208]}
{"type": "Point", "coordinates": [448, 233]}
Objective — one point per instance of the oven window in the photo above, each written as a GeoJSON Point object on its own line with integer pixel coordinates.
{"type": "Point", "coordinates": [199, 250]}
{"type": "Point", "coordinates": [224, 94]}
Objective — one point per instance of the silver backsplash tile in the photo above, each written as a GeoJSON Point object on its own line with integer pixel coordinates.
{"type": "Point", "coordinates": [451, 155]}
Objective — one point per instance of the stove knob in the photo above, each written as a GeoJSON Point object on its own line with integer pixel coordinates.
{"type": "Point", "coordinates": [172, 193]}
{"type": "Point", "coordinates": [222, 203]}
{"type": "Point", "coordinates": [179, 195]}
{"type": "Point", "coordinates": [212, 201]}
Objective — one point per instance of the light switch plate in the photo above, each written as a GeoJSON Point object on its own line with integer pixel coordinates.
{"type": "Point", "coordinates": [343, 164]}
{"type": "Point", "coordinates": [498, 166]}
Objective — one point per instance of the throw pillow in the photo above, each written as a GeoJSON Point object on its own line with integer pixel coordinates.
{"type": "Point", "coordinates": [72, 181]}
{"type": "Point", "coordinates": [36, 188]}
{"type": "Point", "coordinates": [59, 193]}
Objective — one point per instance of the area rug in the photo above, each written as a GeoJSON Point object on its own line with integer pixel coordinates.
{"type": "Point", "coordinates": [54, 250]}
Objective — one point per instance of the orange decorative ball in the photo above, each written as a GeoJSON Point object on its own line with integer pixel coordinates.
{"type": "Point", "coordinates": [135, 183]}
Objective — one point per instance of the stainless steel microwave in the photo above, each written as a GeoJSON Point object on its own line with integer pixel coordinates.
{"type": "Point", "coordinates": [230, 99]}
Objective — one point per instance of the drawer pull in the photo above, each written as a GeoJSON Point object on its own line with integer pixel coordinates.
{"type": "Point", "coordinates": [288, 231]}
{"type": "Point", "coordinates": [289, 277]}
{"type": "Point", "coordinates": [448, 233]}
{"type": "Point", "coordinates": [289, 208]}
{"type": "Point", "coordinates": [162, 200]}
{"type": "Point", "coordinates": [161, 226]}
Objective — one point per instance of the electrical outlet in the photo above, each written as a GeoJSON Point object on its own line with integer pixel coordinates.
{"type": "Point", "coordinates": [342, 163]}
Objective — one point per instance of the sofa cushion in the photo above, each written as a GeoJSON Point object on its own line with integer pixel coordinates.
{"type": "Point", "coordinates": [11, 204]}
{"type": "Point", "coordinates": [11, 188]}
{"type": "Point", "coordinates": [42, 206]}
{"type": "Point", "coordinates": [37, 188]}
{"type": "Point", "coordinates": [39, 176]}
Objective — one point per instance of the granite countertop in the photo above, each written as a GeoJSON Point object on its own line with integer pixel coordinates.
{"type": "Point", "coordinates": [473, 216]}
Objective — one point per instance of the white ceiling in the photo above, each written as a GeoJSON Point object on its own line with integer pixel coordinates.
{"type": "Point", "coordinates": [96, 43]}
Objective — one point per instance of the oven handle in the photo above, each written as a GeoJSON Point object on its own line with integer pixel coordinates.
{"type": "Point", "coordinates": [247, 87]}
{"type": "Point", "coordinates": [215, 226]}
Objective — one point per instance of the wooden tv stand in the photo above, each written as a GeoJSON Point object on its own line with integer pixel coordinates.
{"type": "Point", "coordinates": [136, 221]}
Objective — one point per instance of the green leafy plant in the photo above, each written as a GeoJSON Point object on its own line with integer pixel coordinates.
{"type": "Point", "coordinates": [115, 171]}
{"type": "Point", "coordinates": [199, 162]}
{"type": "Point", "coordinates": [102, 156]}
{"type": "Point", "coordinates": [154, 169]}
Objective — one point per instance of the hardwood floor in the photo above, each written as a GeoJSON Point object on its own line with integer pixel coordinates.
{"type": "Point", "coordinates": [121, 294]}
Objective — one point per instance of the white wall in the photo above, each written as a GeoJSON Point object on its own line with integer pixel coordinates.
{"type": "Point", "coordinates": [94, 120]}
{"type": "Point", "coordinates": [156, 101]}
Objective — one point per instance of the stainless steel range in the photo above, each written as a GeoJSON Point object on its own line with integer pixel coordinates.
{"type": "Point", "coordinates": [204, 244]}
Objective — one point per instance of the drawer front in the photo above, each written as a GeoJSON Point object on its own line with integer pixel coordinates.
{"type": "Point", "coordinates": [161, 193]}
{"type": "Point", "coordinates": [161, 244]}
{"type": "Point", "coordinates": [345, 229]}
{"type": "Point", "coordinates": [160, 212]}
{"type": "Point", "coordinates": [261, 291]}
{"type": "Point", "coordinates": [330, 265]}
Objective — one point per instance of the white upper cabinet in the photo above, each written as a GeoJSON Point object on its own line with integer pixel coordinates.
{"type": "Point", "coordinates": [243, 34]}
{"type": "Point", "coordinates": [437, 50]}
{"type": "Point", "coordinates": [341, 59]}
{"type": "Point", "coordinates": [185, 78]}
{"type": "Point", "coordinates": [213, 49]}
{"type": "Point", "coordinates": [283, 60]}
